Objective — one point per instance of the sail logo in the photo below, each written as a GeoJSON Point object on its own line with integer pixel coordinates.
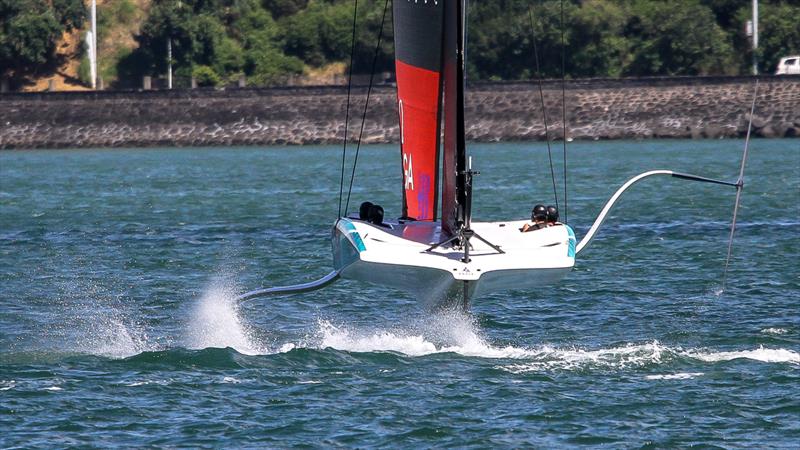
{"type": "Point", "coordinates": [423, 195]}
{"type": "Point", "coordinates": [408, 171]}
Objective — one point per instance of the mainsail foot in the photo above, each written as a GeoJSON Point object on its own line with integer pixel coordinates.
{"type": "Point", "coordinates": [294, 289]}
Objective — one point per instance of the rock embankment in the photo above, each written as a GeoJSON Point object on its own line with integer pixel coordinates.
{"type": "Point", "coordinates": [700, 107]}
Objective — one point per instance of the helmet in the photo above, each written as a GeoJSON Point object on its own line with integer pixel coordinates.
{"type": "Point", "coordinates": [376, 214]}
{"type": "Point", "coordinates": [363, 211]}
{"type": "Point", "coordinates": [552, 214]}
{"type": "Point", "coordinates": [539, 213]}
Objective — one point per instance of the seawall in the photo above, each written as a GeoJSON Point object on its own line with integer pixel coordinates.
{"type": "Point", "coordinates": [685, 107]}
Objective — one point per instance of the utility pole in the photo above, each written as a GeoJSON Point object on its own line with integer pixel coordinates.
{"type": "Point", "coordinates": [755, 37]}
{"type": "Point", "coordinates": [169, 63]}
{"type": "Point", "coordinates": [93, 49]}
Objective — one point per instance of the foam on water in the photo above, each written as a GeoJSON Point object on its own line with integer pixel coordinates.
{"type": "Point", "coordinates": [159, 382]}
{"type": "Point", "coordinates": [548, 358]}
{"type": "Point", "coordinates": [457, 333]}
{"type": "Point", "coordinates": [774, 331]}
{"type": "Point", "coordinates": [768, 355]}
{"type": "Point", "coordinates": [675, 376]}
{"type": "Point", "coordinates": [215, 322]}
{"type": "Point", "coordinates": [640, 355]}
{"type": "Point", "coordinates": [445, 332]}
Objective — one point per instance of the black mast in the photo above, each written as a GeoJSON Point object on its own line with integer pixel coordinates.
{"type": "Point", "coordinates": [455, 201]}
{"type": "Point", "coordinates": [456, 176]}
{"type": "Point", "coordinates": [462, 181]}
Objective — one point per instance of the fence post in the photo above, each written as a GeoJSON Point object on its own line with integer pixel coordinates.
{"type": "Point", "coordinates": [194, 82]}
{"type": "Point", "coordinates": [51, 85]}
{"type": "Point", "coordinates": [146, 83]}
{"type": "Point", "coordinates": [242, 81]}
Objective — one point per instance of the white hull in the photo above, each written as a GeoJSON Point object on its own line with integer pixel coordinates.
{"type": "Point", "coordinates": [396, 256]}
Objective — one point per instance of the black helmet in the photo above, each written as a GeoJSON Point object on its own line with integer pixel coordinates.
{"type": "Point", "coordinates": [552, 214]}
{"type": "Point", "coordinates": [363, 211]}
{"type": "Point", "coordinates": [539, 213]}
{"type": "Point", "coordinates": [376, 214]}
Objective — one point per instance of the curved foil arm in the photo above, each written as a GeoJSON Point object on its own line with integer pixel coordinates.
{"type": "Point", "coordinates": [294, 289]}
{"type": "Point", "coordinates": [607, 208]}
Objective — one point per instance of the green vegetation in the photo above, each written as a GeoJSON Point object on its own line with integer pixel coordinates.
{"type": "Point", "coordinates": [265, 40]}
{"type": "Point", "coordinates": [29, 32]}
{"type": "Point", "coordinates": [216, 41]}
{"type": "Point", "coordinates": [610, 38]}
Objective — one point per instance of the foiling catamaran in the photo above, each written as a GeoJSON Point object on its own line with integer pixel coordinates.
{"type": "Point", "coordinates": [448, 259]}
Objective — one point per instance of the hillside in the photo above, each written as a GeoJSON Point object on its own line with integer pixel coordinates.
{"type": "Point", "coordinates": [119, 21]}
{"type": "Point", "coordinates": [276, 42]}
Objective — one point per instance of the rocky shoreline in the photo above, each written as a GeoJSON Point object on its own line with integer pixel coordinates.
{"type": "Point", "coordinates": [685, 107]}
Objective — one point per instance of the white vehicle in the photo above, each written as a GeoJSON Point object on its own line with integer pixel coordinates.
{"type": "Point", "coordinates": [789, 65]}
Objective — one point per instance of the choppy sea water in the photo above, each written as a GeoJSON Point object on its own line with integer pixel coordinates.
{"type": "Point", "coordinates": [117, 328]}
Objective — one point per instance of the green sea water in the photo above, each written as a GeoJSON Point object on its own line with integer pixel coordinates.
{"type": "Point", "coordinates": [117, 326]}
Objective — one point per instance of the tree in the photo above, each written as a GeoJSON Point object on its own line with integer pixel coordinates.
{"type": "Point", "coordinates": [223, 37]}
{"type": "Point", "coordinates": [281, 8]}
{"type": "Point", "coordinates": [265, 62]}
{"type": "Point", "coordinates": [598, 47]}
{"type": "Point", "coordinates": [675, 37]}
{"type": "Point", "coordinates": [322, 33]}
{"type": "Point", "coordinates": [29, 32]}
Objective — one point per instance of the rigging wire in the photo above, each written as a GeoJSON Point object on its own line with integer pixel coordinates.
{"type": "Point", "coordinates": [739, 186]}
{"type": "Point", "coordinates": [564, 108]}
{"type": "Point", "coordinates": [347, 108]}
{"type": "Point", "coordinates": [366, 102]}
{"type": "Point", "coordinates": [544, 110]}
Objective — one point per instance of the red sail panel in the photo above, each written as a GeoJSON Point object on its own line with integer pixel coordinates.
{"type": "Point", "coordinates": [418, 104]}
{"type": "Point", "coordinates": [418, 28]}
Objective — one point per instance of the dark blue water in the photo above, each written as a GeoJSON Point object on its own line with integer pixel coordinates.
{"type": "Point", "coordinates": [117, 269]}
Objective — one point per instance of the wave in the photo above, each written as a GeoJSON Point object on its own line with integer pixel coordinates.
{"type": "Point", "coordinates": [446, 332]}
{"type": "Point", "coordinates": [675, 376]}
{"type": "Point", "coordinates": [768, 355]}
{"type": "Point", "coordinates": [640, 356]}
{"type": "Point", "coordinates": [630, 355]}
{"type": "Point", "coordinates": [454, 333]}
{"type": "Point", "coordinates": [216, 358]}
{"type": "Point", "coordinates": [215, 333]}
{"type": "Point", "coordinates": [774, 331]}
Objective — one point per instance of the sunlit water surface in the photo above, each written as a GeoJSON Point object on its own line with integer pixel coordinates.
{"type": "Point", "coordinates": [117, 326]}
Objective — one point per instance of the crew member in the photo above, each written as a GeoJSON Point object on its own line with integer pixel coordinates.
{"type": "Point", "coordinates": [552, 216]}
{"type": "Point", "coordinates": [363, 211]}
{"type": "Point", "coordinates": [538, 217]}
